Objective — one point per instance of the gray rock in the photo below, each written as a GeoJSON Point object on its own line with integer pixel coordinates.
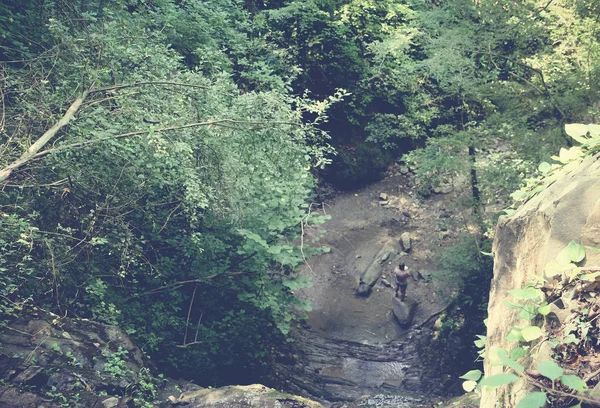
{"type": "Point", "coordinates": [385, 282]}
{"type": "Point", "coordinates": [363, 289]}
{"type": "Point", "coordinates": [405, 241]}
{"type": "Point", "coordinates": [383, 257]}
{"type": "Point", "coordinates": [443, 189]}
{"type": "Point", "coordinates": [383, 203]}
{"type": "Point", "coordinates": [110, 402]}
{"type": "Point", "coordinates": [383, 196]}
{"type": "Point", "coordinates": [443, 235]}
{"type": "Point", "coordinates": [404, 311]}
{"type": "Point", "coordinates": [404, 170]}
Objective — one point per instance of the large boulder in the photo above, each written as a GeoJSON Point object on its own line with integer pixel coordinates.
{"type": "Point", "coordinates": [374, 270]}
{"type": "Point", "coordinates": [524, 244]}
{"type": "Point", "coordinates": [243, 396]}
{"type": "Point", "coordinates": [404, 311]}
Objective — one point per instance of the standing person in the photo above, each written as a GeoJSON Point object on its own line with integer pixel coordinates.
{"type": "Point", "coordinates": [402, 274]}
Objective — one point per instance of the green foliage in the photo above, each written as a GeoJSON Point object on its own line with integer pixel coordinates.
{"type": "Point", "coordinates": [169, 206]}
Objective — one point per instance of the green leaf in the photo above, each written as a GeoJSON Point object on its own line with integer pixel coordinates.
{"type": "Point", "coordinates": [507, 361]}
{"type": "Point", "coordinates": [564, 259]}
{"type": "Point", "coordinates": [574, 382]}
{"type": "Point", "coordinates": [545, 167]}
{"type": "Point", "coordinates": [533, 400]}
{"type": "Point", "coordinates": [528, 312]}
{"type": "Point", "coordinates": [589, 276]}
{"type": "Point", "coordinates": [544, 310]}
{"type": "Point", "coordinates": [499, 380]}
{"type": "Point", "coordinates": [575, 251]}
{"type": "Point", "coordinates": [554, 268]}
{"type": "Point", "coordinates": [577, 131]}
{"type": "Point", "coordinates": [517, 353]}
{"type": "Point", "coordinates": [473, 375]}
{"type": "Point", "coordinates": [519, 195]}
{"type": "Point", "coordinates": [469, 386]}
{"type": "Point", "coordinates": [480, 342]}
{"type": "Point", "coordinates": [576, 271]}
{"type": "Point", "coordinates": [550, 370]}
{"type": "Point", "coordinates": [526, 294]}
{"type": "Point", "coordinates": [531, 333]}
{"type": "Point", "coordinates": [514, 336]}
{"type": "Point", "coordinates": [513, 305]}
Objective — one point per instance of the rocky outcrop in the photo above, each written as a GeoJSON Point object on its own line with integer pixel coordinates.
{"type": "Point", "coordinates": [374, 271]}
{"type": "Point", "coordinates": [242, 396]}
{"type": "Point", "coordinates": [50, 361]}
{"type": "Point", "coordinates": [525, 243]}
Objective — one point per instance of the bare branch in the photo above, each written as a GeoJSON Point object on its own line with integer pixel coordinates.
{"type": "Point", "coordinates": [43, 140]}
{"type": "Point", "coordinates": [216, 122]}
{"type": "Point", "coordinates": [144, 83]}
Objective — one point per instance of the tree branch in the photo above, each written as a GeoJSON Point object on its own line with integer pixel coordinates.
{"type": "Point", "coordinates": [34, 149]}
{"type": "Point", "coordinates": [216, 122]}
{"type": "Point", "coordinates": [144, 83]}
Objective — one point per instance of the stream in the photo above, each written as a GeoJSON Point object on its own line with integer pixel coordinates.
{"type": "Point", "coordinates": [353, 346]}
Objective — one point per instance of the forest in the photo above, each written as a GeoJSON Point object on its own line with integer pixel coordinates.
{"type": "Point", "coordinates": [161, 159]}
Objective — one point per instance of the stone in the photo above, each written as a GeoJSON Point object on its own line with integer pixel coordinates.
{"type": "Point", "coordinates": [404, 170]}
{"type": "Point", "coordinates": [384, 257]}
{"type": "Point", "coordinates": [385, 282]}
{"type": "Point", "coordinates": [110, 402]}
{"type": "Point", "coordinates": [443, 189]}
{"type": "Point", "coordinates": [383, 196]}
{"type": "Point", "coordinates": [404, 311]}
{"type": "Point", "coordinates": [405, 241]}
{"type": "Point", "coordinates": [254, 395]}
{"type": "Point", "coordinates": [383, 203]}
{"type": "Point", "coordinates": [402, 254]}
{"type": "Point", "coordinates": [363, 289]}
{"type": "Point", "coordinates": [443, 235]}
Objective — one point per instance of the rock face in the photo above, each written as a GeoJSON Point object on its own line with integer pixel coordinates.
{"type": "Point", "coordinates": [526, 242]}
{"type": "Point", "coordinates": [51, 362]}
{"type": "Point", "coordinates": [343, 371]}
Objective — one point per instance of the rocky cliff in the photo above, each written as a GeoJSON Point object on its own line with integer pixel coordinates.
{"type": "Point", "coordinates": [526, 245]}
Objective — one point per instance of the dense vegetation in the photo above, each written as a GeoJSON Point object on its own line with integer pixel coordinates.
{"type": "Point", "coordinates": [158, 157]}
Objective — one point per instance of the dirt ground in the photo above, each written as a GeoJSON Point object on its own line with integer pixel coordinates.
{"type": "Point", "coordinates": [358, 229]}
